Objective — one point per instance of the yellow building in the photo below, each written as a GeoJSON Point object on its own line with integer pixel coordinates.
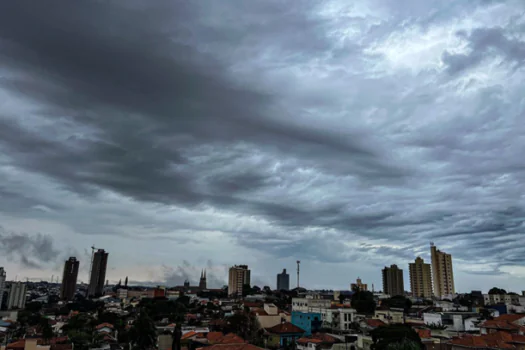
{"type": "Point", "coordinates": [420, 278]}
{"type": "Point", "coordinates": [358, 285]}
{"type": "Point", "coordinates": [239, 275]}
{"type": "Point", "coordinates": [442, 272]}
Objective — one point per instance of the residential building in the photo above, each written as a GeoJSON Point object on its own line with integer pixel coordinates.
{"type": "Point", "coordinates": [283, 281]}
{"type": "Point", "coordinates": [389, 315]}
{"type": "Point", "coordinates": [358, 285]}
{"type": "Point", "coordinates": [270, 315]}
{"type": "Point", "coordinates": [306, 304]}
{"type": "Point", "coordinates": [508, 299]}
{"type": "Point", "coordinates": [310, 322]}
{"type": "Point", "coordinates": [98, 273]}
{"type": "Point", "coordinates": [283, 335]}
{"type": "Point", "coordinates": [442, 272]}
{"type": "Point", "coordinates": [420, 279]}
{"type": "Point", "coordinates": [69, 279]}
{"type": "Point", "coordinates": [393, 281]}
{"type": "Point", "coordinates": [239, 275]}
{"type": "Point", "coordinates": [454, 321]}
{"type": "Point", "coordinates": [2, 285]}
{"type": "Point", "coordinates": [16, 295]}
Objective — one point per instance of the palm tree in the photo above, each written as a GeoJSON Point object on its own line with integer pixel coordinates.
{"type": "Point", "coordinates": [143, 334]}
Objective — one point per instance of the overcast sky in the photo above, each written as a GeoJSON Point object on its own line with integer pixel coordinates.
{"type": "Point", "coordinates": [181, 135]}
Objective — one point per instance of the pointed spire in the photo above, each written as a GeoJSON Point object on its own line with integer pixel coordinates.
{"type": "Point", "coordinates": [204, 273]}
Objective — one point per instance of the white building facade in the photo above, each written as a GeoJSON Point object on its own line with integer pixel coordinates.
{"type": "Point", "coordinates": [17, 296]}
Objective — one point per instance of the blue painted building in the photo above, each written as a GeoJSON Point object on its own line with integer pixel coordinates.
{"type": "Point", "coordinates": [311, 322]}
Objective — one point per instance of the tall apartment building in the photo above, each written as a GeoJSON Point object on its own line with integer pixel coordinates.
{"type": "Point", "coordinates": [69, 279]}
{"type": "Point", "coordinates": [98, 273]}
{"type": "Point", "coordinates": [17, 293]}
{"type": "Point", "coordinates": [442, 272]}
{"type": "Point", "coordinates": [239, 275]}
{"type": "Point", "coordinates": [283, 281]}
{"type": "Point", "coordinates": [393, 281]}
{"type": "Point", "coordinates": [420, 278]}
{"type": "Point", "coordinates": [2, 284]}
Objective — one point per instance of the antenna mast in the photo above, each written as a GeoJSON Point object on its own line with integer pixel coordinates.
{"type": "Point", "coordinates": [298, 264]}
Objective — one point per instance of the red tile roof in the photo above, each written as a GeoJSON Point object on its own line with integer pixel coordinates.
{"type": "Point", "coordinates": [259, 311]}
{"type": "Point", "coordinates": [309, 340]}
{"type": "Point", "coordinates": [20, 344]}
{"type": "Point", "coordinates": [214, 336]}
{"type": "Point", "coordinates": [325, 338]}
{"type": "Point", "coordinates": [104, 325]}
{"type": "Point", "coordinates": [372, 322]}
{"type": "Point", "coordinates": [188, 335]}
{"type": "Point", "coordinates": [285, 327]}
{"type": "Point", "coordinates": [497, 340]}
{"type": "Point", "coordinates": [424, 333]}
{"type": "Point", "coordinates": [244, 346]}
{"type": "Point", "coordinates": [509, 317]}
{"type": "Point", "coordinates": [230, 338]}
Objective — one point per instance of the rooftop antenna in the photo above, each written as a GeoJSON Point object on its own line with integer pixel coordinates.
{"type": "Point", "coordinates": [298, 264]}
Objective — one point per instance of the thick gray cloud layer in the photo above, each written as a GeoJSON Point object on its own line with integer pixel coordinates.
{"type": "Point", "coordinates": [331, 132]}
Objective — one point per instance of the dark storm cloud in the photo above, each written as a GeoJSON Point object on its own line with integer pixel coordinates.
{"type": "Point", "coordinates": [480, 42]}
{"type": "Point", "coordinates": [32, 251]}
{"type": "Point", "coordinates": [293, 121]}
{"type": "Point", "coordinates": [116, 70]}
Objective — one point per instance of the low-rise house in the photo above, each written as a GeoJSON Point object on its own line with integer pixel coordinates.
{"type": "Point", "coordinates": [282, 335]}
{"type": "Point", "coordinates": [454, 321]}
{"type": "Point", "coordinates": [270, 315]}
{"type": "Point", "coordinates": [493, 299]}
{"type": "Point", "coordinates": [389, 315]}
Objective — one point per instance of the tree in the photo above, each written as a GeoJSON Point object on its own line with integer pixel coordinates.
{"type": "Point", "coordinates": [143, 334]}
{"type": "Point", "coordinates": [363, 302]}
{"type": "Point", "coordinates": [398, 301]}
{"type": "Point", "coordinates": [47, 330]}
{"type": "Point", "coordinates": [246, 326]}
{"type": "Point", "coordinates": [386, 336]}
{"type": "Point", "coordinates": [404, 345]}
{"type": "Point", "coordinates": [496, 290]}
{"type": "Point", "coordinates": [246, 290]}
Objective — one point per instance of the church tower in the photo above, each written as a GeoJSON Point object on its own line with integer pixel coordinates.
{"type": "Point", "coordinates": [202, 282]}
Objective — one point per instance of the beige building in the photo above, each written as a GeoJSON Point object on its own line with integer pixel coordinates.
{"type": "Point", "coordinates": [239, 275]}
{"type": "Point", "coordinates": [358, 285]}
{"type": "Point", "coordinates": [270, 316]}
{"type": "Point", "coordinates": [16, 296]}
{"type": "Point", "coordinates": [442, 272]}
{"type": "Point", "coordinates": [420, 278]}
{"type": "Point", "coordinates": [393, 281]}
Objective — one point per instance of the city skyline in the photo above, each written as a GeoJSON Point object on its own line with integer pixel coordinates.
{"type": "Point", "coordinates": [345, 135]}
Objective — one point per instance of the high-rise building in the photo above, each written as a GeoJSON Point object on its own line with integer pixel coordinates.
{"type": "Point", "coordinates": [202, 281]}
{"type": "Point", "coordinates": [420, 278]}
{"type": "Point", "coordinates": [17, 293]}
{"type": "Point", "coordinates": [358, 285]}
{"type": "Point", "coordinates": [2, 285]}
{"type": "Point", "coordinates": [442, 272]}
{"type": "Point", "coordinates": [69, 279]}
{"type": "Point", "coordinates": [393, 281]}
{"type": "Point", "coordinates": [239, 275]}
{"type": "Point", "coordinates": [98, 273]}
{"type": "Point", "coordinates": [283, 281]}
